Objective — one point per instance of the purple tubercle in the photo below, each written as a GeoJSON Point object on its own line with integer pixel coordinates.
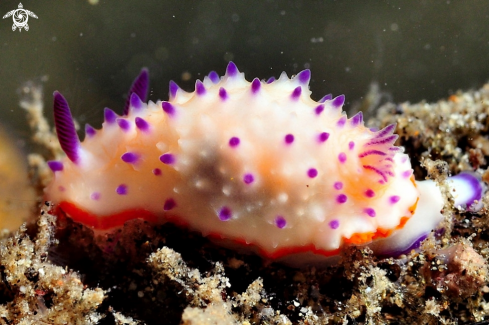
{"type": "Point", "coordinates": [338, 185]}
{"type": "Point", "coordinates": [173, 89]}
{"type": "Point", "coordinates": [136, 102]}
{"type": "Point", "coordinates": [255, 85]}
{"type": "Point", "coordinates": [109, 116]}
{"type": "Point", "coordinates": [280, 222]}
{"type": "Point", "coordinates": [121, 189]}
{"type": "Point", "coordinates": [270, 80]}
{"type": "Point", "coordinates": [394, 199]}
{"type": "Point", "coordinates": [304, 76]}
{"type": "Point", "coordinates": [225, 214]}
{"type": "Point", "coordinates": [338, 101]}
{"type": "Point", "coordinates": [334, 224]}
{"type": "Point", "coordinates": [141, 124]}
{"type": "Point", "coordinates": [319, 109]}
{"type": "Point", "coordinates": [234, 142]}
{"type": "Point", "coordinates": [214, 77]}
{"type": "Point", "coordinates": [95, 196]}
{"type": "Point", "coordinates": [323, 136]}
{"type": "Point", "coordinates": [248, 178]}
{"type": "Point", "coordinates": [326, 97]}
{"type": "Point", "coordinates": [232, 69]}
{"type": "Point", "coordinates": [140, 87]}
{"type": "Point", "coordinates": [89, 130]}
{"type": "Point", "coordinates": [312, 172]}
{"type": "Point", "coordinates": [407, 173]}
{"type": "Point", "coordinates": [167, 158]}
{"type": "Point", "coordinates": [168, 108]}
{"type": "Point", "coordinates": [342, 157]}
{"type": "Point", "coordinates": [223, 94]}
{"type": "Point", "coordinates": [200, 88]}
{"type": "Point", "coordinates": [123, 124]}
{"type": "Point", "coordinates": [169, 204]}
{"type": "Point", "coordinates": [55, 165]}
{"type": "Point", "coordinates": [289, 138]}
{"type": "Point", "coordinates": [370, 212]}
{"type": "Point", "coordinates": [156, 171]}
{"type": "Point", "coordinates": [369, 193]}
{"type": "Point", "coordinates": [342, 198]}
{"type": "Point", "coordinates": [351, 145]}
{"type": "Point", "coordinates": [65, 128]}
{"type": "Point", "coordinates": [130, 157]}
{"type": "Point", "coordinates": [296, 94]}
{"type": "Point", "coordinates": [341, 122]}
{"type": "Point", "coordinates": [357, 119]}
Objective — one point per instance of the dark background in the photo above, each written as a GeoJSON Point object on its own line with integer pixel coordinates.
{"type": "Point", "coordinates": [414, 49]}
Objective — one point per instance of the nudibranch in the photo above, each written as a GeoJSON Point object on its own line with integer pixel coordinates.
{"type": "Point", "coordinates": [256, 163]}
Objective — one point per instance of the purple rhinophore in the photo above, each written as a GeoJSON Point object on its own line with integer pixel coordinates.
{"type": "Point", "coordinates": [223, 94]}
{"type": "Point", "coordinates": [296, 94]}
{"type": "Point", "coordinates": [169, 204]}
{"type": "Point", "coordinates": [270, 80]}
{"type": "Point", "coordinates": [312, 172]}
{"type": "Point", "coordinates": [142, 124]}
{"type": "Point", "coordinates": [214, 77]}
{"type": "Point", "coordinates": [326, 97]}
{"type": "Point", "coordinates": [157, 172]}
{"type": "Point", "coordinates": [248, 178]}
{"type": "Point", "coordinates": [89, 130]}
{"type": "Point", "coordinates": [234, 142]}
{"type": "Point", "coordinates": [225, 214]}
{"type": "Point", "coordinates": [289, 138]}
{"type": "Point", "coordinates": [371, 152]}
{"type": "Point", "coordinates": [280, 222]}
{"type": "Point", "coordinates": [121, 189]}
{"type": "Point", "coordinates": [167, 158]}
{"type": "Point", "coordinates": [338, 101]}
{"type": "Point", "coordinates": [407, 173]}
{"type": "Point", "coordinates": [338, 185]}
{"type": "Point", "coordinates": [342, 157]}
{"type": "Point", "coordinates": [304, 76]}
{"type": "Point", "coordinates": [342, 198]}
{"type": "Point", "coordinates": [95, 196]}
{"type": "Point", "coordinates": [369, 193]}
{"type": "Point", "coordinates": [394, 199]}
{"type": "Point", "coordinates": [357, 119]}
{"type": "Point", "coordinates": [123, 124]}
{"type": "Point", "coordinates": [109, 115]}
{"type": "Point", "coordinates": [385, 131]}
{"type": "Point", "coordinates": [334, 224]}
{"type": "Point", "coordinates": [255, 85]}
{"type": "Point", "coordinates": [319, 109]}
{"type": "Point", "coordinates": [200, 88]}
{"type": "Point", "coordinates": [140, 87]}
{"type": "Point", "coordinates": [65, 128]}
{"type": "Point", "coordinates": [173, 89]}
{"type": "Point", "coordinates": [232, 69]}
{"type": "Point", "coordinates": [341, 122]}
{"type": "Point", "coordinates": [351, 145]}
{"type": "Point", "coordinates": [130, 157]}
{"type": "Point", "coordinates": [323, 136]}
{"type": "Point", "coordinates": [370, 212]}
{"type": "Point", "coordinates": [168, 108]}
{"type": "Point", "coordinates": [55, 165]}
{"type": "Point", "coordinates": [136, 102]}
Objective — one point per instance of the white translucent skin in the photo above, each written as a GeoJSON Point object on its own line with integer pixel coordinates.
{"type": "Point", "coordinates": [208, 173]}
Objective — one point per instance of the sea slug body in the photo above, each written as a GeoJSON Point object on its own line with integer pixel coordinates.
{"type": "Point", "coordinates": [257, 163]}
